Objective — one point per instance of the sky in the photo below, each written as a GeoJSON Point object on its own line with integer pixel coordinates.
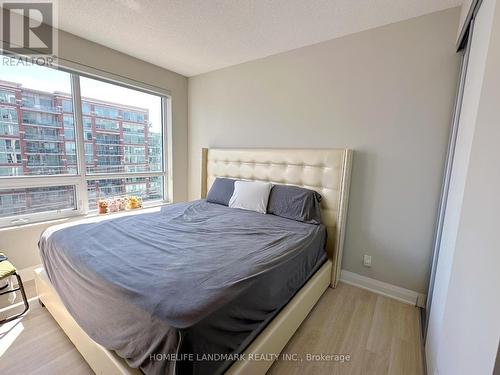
{"type": "Point", "coordinates": [46, 79]}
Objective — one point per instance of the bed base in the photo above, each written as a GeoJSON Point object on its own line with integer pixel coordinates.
{"type": "Point", "coordinates": [101, 360]}
{"type": "Point", "coordinates": [271, 340]}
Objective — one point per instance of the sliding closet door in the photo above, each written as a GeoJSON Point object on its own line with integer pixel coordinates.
{"type": "Point", "coordinates": [460, 148]}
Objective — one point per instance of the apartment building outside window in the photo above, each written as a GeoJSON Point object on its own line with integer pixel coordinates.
{"type": "Point", "coordinates": [67, 141]}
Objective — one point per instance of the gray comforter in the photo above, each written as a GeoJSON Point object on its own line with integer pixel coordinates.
{"type": "Point", "coordinates": [192, 278]}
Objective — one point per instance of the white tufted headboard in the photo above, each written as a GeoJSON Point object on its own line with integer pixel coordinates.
{"type": "Point", "coordinates": [326, 171]}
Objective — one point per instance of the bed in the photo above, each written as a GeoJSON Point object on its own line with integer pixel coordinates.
{"type": "Point", "coordinates": [230, 281]}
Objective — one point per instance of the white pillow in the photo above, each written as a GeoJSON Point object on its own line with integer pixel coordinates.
{"type": "Point", "coordinates": [251, 195]}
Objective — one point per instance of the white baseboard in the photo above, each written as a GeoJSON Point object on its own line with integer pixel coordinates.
{"type": "Point", "coordinates": [401, 294]}
{"type": "Point", "coordinates": [28, 274]}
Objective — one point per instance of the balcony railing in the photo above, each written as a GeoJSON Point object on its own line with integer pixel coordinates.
{"type": "Point", "coordinates": [7, 121]}
{"type": "Point", "coordinates": [105, 142]}
{"type": "Point", "coordinates": [40, 168]}
{"type": "Point", "coordinates": [110, 163]}
{"type": "Point", "coordinates": [36, 150]}
{"type": "Point", "coordinates": [42, 137]}
{"type": "Point", "coordinates": [10, 150]}
{"type": "Point", "coordinates": [40, 107]}
{"type": "Point", "coordinates": [102, 130]}
{"type": "Point", "coordinates": [47, 164]}
{"type": "Point", "coordinates": [7, 129]}
{"type": "Point", "coordinates": [41, 123]}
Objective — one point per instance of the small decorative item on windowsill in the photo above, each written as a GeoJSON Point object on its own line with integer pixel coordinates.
{"type": "Point", "coordinates": [119, 204]}
{"type": "Point", "coordinates": [103, 206]}
{"type": "Point", "coordinates": [113, 205]}
{"type": "Point", "coordinates": [123, 203]}
{"type": "Point", "coordinates": [134, 202]}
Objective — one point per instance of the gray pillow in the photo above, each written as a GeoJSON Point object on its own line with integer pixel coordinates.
{"type": "Point", "coordinates": [221, 191]}
{"type": "Point", "coordinates": [296, 203]}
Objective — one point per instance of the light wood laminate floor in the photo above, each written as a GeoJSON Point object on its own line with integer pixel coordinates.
{"type": "Point", "coordinates": [380, 336]}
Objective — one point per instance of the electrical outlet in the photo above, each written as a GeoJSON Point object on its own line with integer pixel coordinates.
{"type": "Point", "coordinates": [367, 260]}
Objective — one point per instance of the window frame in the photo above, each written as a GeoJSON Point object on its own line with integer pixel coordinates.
{"type": "Point", "coordinates": [80, 179]}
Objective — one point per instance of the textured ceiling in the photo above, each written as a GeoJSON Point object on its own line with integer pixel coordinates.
{"type": "Point", "coordinates": [196, 36]}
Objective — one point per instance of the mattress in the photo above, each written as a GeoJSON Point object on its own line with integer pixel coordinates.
{"type": "Point", "coordinates": [167, 289]}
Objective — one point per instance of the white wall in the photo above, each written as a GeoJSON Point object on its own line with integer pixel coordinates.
{"type": "Point", "coordinates": [465, 339]}
{"type": "Point", "coordinates": [466, 5]}
{"type": "Point", "coordinates": [387, 93]}
{"type": "Point", "coordinates": [21, 243]}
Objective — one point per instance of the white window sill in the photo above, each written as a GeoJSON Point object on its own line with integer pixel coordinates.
{"type": "Point", "coordinates": [148, 208]}
{"type": "Point", "coordinates": [156, 206]}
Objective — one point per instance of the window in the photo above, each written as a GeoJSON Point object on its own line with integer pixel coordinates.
{"type": "Point", "coordinates": [155, 151]}
{"type": "Point", "coordinates": [7, 96]}
{"type": "Point", "coordinates": [86, 108]}
{"type": "Point", "coordinates": [39, 119]}
{"type": "Point", "coordinates": [8, 114]}
{"type": "Point", "coordinates": [133, 134]}
{"type": "Point", "coordinates": [10, 157]}
{"type": "Point", "coordinates": [149, 188]}
{"type": "Point", "coordinates": [28, 100]}
{"type": "Point", "coordinates": [69, 127]}
{"type": "Point", "coordinates": [70, 153]}
{"type": "Point", "coordinates": [133, 116]}
{"type": "Point", "coordinates": [42, 134]}
{"type": "Point", "coordinates": [67, 106]}
{"type": "Point", "coordinates": [89, 154]}
{"type": "Point", "coordinates": [14, 202]}
{"type": "Point", "coordinates": [9, 124]}
{"type": "Point", "coordinates": [115, 147]}
{"type": "Point", "coordinates": [87, 128]}
{"type": "Point", "coordinates": [36, 100]}
{"type": "Point", "coordinates": [106, 111]}
{"type": "Point", "coordinates": [135, 155]}
{"type": "Point", "coordinates": [103, 124]}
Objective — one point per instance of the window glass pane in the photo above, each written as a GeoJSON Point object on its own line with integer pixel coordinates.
{"type": "Point", "coordinates": [10, 155]}
{"type": "Point", "coordinates": [86, 108]}
{"type": "Point", "coordinates": [124, 126]}
{"type": "Point", "coordinates": [32, 200]}
{"type": "Point", "coordinates": [71, 154]}
{"type": "Point", "coordinates": [69, 127]}
{"type": "Point", "coordinates": [67, 106]}
{"type": "Point", "coordinates": [89, 153]}
{"type": "Point", "coordinates": [109, 112]}
{"type": "Point", "coordinates": [148, 188]}
{"type": "Point", "coordinates": [103, 124]}
{"type": "Point", "coordinates": [9, 122]}
{"type": "Point", "coordinates": [33, 100]}
{"type": "Point", "coordinates": [7, 96]}
{"type": "Point", "coordinates": [134, 155]}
